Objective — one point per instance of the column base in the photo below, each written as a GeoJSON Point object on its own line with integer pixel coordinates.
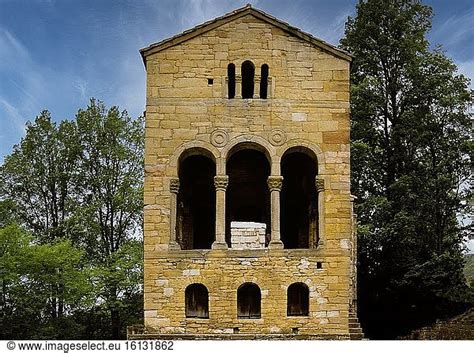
{"type": "Point", "coordinates": [219, 245]}
{"type": "Point", "coordinates": [174, 246]}
{"type": "Point", "coordinates": [276, 244]}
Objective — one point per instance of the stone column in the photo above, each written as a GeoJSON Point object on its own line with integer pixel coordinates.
{"type": "Point", "coordinates": [220, 182]}
{"type": "Point", "coordinates": [321, 198]}
{"type": "Point", "coordinates": [256, 88]}
{"type": "Point", "coordinates": [269, 87]}
{"type": "Point", "coordinates": [274, 184]}
{"type": "Point", "coordinates": [238, 86]}
{"type": "Point", "coordinates": [174, 189]}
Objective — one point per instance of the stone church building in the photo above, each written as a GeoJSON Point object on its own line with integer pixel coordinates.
{"type": "Point", "coordinates": [248, 221]}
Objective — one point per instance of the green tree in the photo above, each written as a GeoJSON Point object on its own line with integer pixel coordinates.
{"type": "Point", "coordinates": [37, 176]}
{"type": "Point", "coordinates": [31, 275]}
{"type": "Point", "coordinates": [77, 186]}
{"type": "Point", "coordinates": [109, 183]}
{"type": "Point", "coordinates": [411, 158]}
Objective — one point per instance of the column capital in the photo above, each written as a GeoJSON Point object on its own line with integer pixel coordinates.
{"type": "Point", "coordinates": [319, 180]}
{"type": "Point", "coordinates": [174, 185]}
{"type": "Point", "coordinates": [221, 182]}
{"type": "Point", "coordinates": [275, 182]}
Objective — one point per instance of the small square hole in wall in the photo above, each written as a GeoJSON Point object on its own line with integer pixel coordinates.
{"type": "Point", "coordinates": [210, 81]}
{"type": "Point", "coordinates": [319, 265]}
{"type": "Point", "coordinates": [236, 330]}
{"type": "Point", "coordinates": [294, 330]}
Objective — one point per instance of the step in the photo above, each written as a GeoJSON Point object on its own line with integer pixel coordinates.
{"type": "Point", "coordinates": [357, 336]}
{"type": "Point", "coordinates": [355, 330]}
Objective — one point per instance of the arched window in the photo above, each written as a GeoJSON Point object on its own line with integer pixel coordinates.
{"type": "Point", "coordinates": [299, 202]}
{"type": "Point", "coordinates": [196, 213]}
{"type": "Point", "coordinates": [248, 73]}
{"type": "Point", "coordinates": [298, 300]}
{"type": "Point", "coordinates": [197, 301]}
{"type": "Point", "coordinates": [248, 301]}
{"type": "Point", "coordinates": [264, 82]}
{"type": "Point", "coordinates": [231, 80]}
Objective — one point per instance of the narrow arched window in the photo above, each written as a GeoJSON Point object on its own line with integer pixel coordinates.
{"type": "Point", "coordinates": [298, 300]}
{"type": "Point", "coordinates": [231, 81]}
{"type": "Point", "coordinates": [248, 73]}
{"type": "Point", "coordinates": [197, 301]}
{"type": "Point", "coordinates": [248, 301]}
{"type": "Point", "coordinates": [264, 81]}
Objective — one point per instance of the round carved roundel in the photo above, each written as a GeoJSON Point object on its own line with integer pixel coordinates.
{"type": "Point", "coordinates": [219, 138]}
{"type": "Point", "coordinates": [277, 137]}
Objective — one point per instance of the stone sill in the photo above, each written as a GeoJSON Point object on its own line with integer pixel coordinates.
{"type": "Point", "coordinates": [252, 253]}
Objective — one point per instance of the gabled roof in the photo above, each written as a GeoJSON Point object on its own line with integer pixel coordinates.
{"type": "Point", "coordinates": [231, 16]}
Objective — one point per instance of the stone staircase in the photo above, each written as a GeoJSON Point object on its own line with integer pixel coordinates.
{"type": "Point", "coordinates": [355, 331]}
{"type": "Point", "coordinates": [458, 328]}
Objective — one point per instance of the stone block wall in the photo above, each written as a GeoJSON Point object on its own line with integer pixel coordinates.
{"type": "Point", "coordinates": [223, 272]}
{"type": "Point", "coordinates": [307, 109]}
{"type": "Point", "coordinates": [248, 235]}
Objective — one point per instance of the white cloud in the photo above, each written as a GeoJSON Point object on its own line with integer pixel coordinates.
{"type": "Point", "coordinates": [14, 115]}
{"type": "Point", "coordinates": [467, 69]}
{"type": "Point", "coordinates": [195, 12]}
{"type": "Point", "coordinates": [456, 29]}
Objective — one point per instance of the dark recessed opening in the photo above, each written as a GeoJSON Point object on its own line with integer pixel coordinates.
{"type": "Point", "coordinates": [196, 203]}
{"type": "Point", "coordinates": [231, 80]}
{"type": "Point", "coordinates": [248, 301]}
{"type": "Point", "coordinates": [210, 81]}
{"type": "Point", "coordinates": [248, 197]}
{"type": "Point", "coordinates": [299, 209]}
{"type": "Point", "coordinates": [248, 73]}
{"type": "Point", "coordinates": [294, 330]}
{"type": "Point", "coordinates": [264, 82]}
{"type": "Point", "coordinates": [298, 300]}
{"type": "Point", "coordinates": [319, 265]}
{"type": "Point", "coordinates": [197, 301]}
{"type": "Point", "coordinates": [236, 330]}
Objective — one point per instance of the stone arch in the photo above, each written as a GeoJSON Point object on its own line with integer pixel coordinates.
{"type": "Point", "coordinates": [311, 149]}
{"type": "Point", "coordinates": [249, 297]}
{"type": "Point", "coordinates": [196, 201]}
{"type": "Point", "coordinates": [248, 142]}
{"type": "Point", "coordinates": [196, 301]}
{"type": "Point", "coordinates": [298, 299]}
{"type": "Point", "coordinates": [316, 218]}
{"type": "Point", "coordinates": [248, 167]}
{"type": "Point", "coordinates": [248, 79]}
{"type": "Point", "coordinates": [194, 148]}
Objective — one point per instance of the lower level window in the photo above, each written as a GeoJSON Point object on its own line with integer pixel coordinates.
{"type": "Point", "coordinates": [248, 301]}
{"type": "Point", "coordinates": [197, 301]}
{"type": "Point", "coordinates": [298, 300]}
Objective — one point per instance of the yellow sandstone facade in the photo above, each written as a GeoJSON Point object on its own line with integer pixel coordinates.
{"type": "Point", "coordinates": [247, 223]}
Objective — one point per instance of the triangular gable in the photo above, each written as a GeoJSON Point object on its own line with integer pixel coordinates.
{"type": "Point", "coordinates": [231, 16]}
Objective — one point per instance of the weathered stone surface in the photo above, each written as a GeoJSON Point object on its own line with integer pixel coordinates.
{"type": "Point", "coordinates": [308, 105]}
{"type": "Point", "coordinates": [247, 235]}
